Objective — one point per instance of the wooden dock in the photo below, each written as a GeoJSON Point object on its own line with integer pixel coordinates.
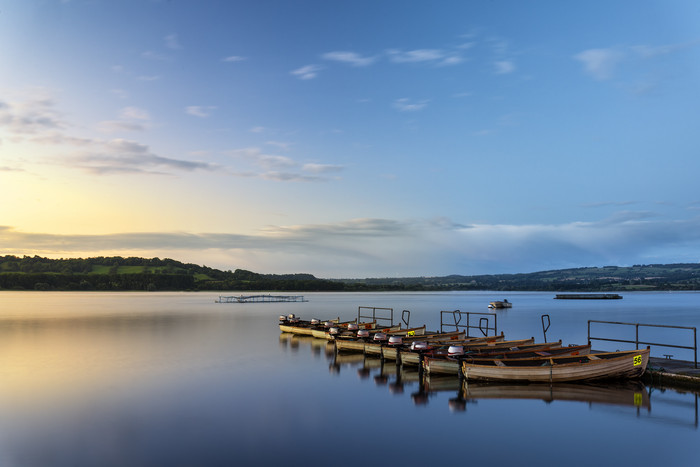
{"type": "Point", "coordinates": [260, 298]}
{"type": "Point", "coordinates": [589, 296]}
{"type": "Point", "coordinates": [674, 373]}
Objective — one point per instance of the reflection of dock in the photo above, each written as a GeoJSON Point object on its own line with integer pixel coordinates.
{"type": "Point", "coordinates": [260, 298]}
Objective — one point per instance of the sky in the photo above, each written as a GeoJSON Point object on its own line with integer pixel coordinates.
{"type": "Point", "coordinates": [352, 139]}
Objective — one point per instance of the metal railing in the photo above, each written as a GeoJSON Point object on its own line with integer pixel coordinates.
{"type": "Point", "coordinates": [373, 316]}
{"type": "Point", "coordinates": [484, 320]}
{"type": "Point", "coordinates": [636, 340]}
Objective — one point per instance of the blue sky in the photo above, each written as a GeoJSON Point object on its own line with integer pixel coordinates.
{"type": "Point", "coordinates": [352, 139]}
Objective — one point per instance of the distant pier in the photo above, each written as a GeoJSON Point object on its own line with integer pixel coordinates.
{"type": "Point", "coordinates": [594, 296]}
{"type": "Point", "coordinates": [260, 298]}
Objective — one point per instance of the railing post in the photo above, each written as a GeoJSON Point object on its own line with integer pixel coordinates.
{"type": "Point", "coordinates": [589, 331]}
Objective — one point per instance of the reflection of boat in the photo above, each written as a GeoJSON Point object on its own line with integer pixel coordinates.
{"type": "Point", "coordinates": [623, 364]}
{"type": "Point", "coordinates": [500, 304]}
{"type": "Point", "coordinates": [631, 393]}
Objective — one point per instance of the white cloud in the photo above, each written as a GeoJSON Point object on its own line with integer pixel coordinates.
{"type": "Point", "coordinates": [199, 110]}
{"type": "Point", "coordinates": [600, 63]}
{"type": "Point", "coordinates": [504, 67]}
{"type": "Point", "coordinates": [407, 105]}
{"type": "Point", "coordinates": [150, 55]}
{"type": "Point", "coordinates": [120, 93]}
{"type": "Point", "coordinates": [280, 144]}
{"type": "Point", "coordinates": [115, 126]}
{"type": "Point", "coordinates": [377, 247]}
{"type": "Point", "coordinates": [172, 42]}
{"type": "Point", "coordinates": [307, 72]}
{"type": "Point", "coordinates": [418, 55]}
{"type": "Point", "coordinates": [130, 119]}
{"type": "Point", "coordinates": [135, 113]}
{"type": "Point", "coordinates": [31, 115]}
{"type": "Point", "coordinates": [281, 168]}
{"type": "Point", "coordinates": [322, 168]}
{"type": "Point", "coordinates": [118, 156]}
{"type": "Point", "coordinates": [349, 57]}
{"type": "Point", "coordinates": [233, 58]}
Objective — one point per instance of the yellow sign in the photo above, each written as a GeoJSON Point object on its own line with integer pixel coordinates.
{"type": "Point", "coordinates": [410, 333]}
{"type": "Point", "coordinates": [637, 360]}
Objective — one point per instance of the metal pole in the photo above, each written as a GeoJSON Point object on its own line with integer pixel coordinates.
{"type": "Point", "coordinates": [636, 337]}
{"type": "Point", "coordinates": [589, 331]}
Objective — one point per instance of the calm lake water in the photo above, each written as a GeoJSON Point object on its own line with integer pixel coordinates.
{"type": "Point", "coordinates": [174, 379]}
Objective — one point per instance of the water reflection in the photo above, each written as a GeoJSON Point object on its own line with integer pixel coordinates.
{"type": "Point", "coordinates": [673, 406]}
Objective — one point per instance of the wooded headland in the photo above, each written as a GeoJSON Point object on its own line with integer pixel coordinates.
{"type": "Point", "coordinates": [118, 273]}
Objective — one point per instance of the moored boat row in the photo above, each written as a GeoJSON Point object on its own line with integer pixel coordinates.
{"type": "Point", "coordinates": [487, 358]}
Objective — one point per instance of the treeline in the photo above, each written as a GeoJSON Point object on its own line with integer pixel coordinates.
{"type": "Point", "coordinates": [150, 274]}
{"type": "Point", "coordinates": [118, 273]}
{"type": "Point", "coordinates": [682, 276]}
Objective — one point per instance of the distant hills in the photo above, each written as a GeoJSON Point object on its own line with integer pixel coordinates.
{"type": "Point", "coordinates": [118, 273]}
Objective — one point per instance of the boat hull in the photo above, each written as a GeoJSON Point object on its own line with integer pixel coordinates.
{"type": "Point", "coordinates": [623, 365]}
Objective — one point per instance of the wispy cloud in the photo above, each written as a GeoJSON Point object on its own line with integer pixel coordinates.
{"type": "Point", "coordinates": [603, 63]}
{"type": "Point", "coordinates": [405, 104]}
{"type": "Point", "coordinates": [32, 115]}
{"type": "Point", "coordinates": [280, 144]}
{"type": "Point", "coordinates": [352, 58]}
{"type": "Point", "coordinates": [375, 247]}
{"type": "Point", "coordinates": [307, 72]}
{"type": "Point", "coordinates": [281, 168]}
{"type": "Point", "coordinates": [600, 63]}
{"type": "Point", "coordinates": [322, 168]}
{"type": "Point", "coordinates": [418, 55]}
{"type": "Point", "coordinates": [130, 119]}
{"type": "Point", "coordinates": [199, 110]}
{"type": "Point", "coordinates": [233, 58]}
{"type": "Point", "coordinates": [172, 42]}
{"type": "Point", "coordinates": [124, 156]}
{"type": "Point", "coordinates": [151, 55]}
{"type": "Point", "coordinates": [504, 67]}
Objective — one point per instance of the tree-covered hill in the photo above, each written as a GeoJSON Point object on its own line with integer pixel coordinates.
{"type": "Point", "coordinates": [684, 276]}
{"type": "Point", "coordinates": [118, 273]}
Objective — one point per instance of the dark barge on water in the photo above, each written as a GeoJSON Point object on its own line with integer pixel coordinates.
{"type": "Point", "coordinates": [594, 296]}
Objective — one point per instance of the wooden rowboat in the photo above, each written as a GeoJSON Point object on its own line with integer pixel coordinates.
{"type": "Point", "coordinates": [295, 325]}
{"type": "Point", "coordinates": [451, 364]}
{"type": "Point", "coordinates": [609, 365]}
{"type": "Point", "coordinates": [387, 351]}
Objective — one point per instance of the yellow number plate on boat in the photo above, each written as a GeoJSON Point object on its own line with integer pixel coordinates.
{"type": "Point", "coordinates": [637, 360]}
{"type": "Point", "coordinates": [410, 333]}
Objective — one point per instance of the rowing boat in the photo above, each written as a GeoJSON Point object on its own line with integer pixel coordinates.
{"type": "Point", "coordinates": [307, 327]}
{"type": "Point", "coordinates": [479, 344]}
{"type": "Point", "coordinates": [380, 346]}
{"type": "Point", "coordinates": [608, 365]}
{"type": "Point", "coordinates": [451, 364]}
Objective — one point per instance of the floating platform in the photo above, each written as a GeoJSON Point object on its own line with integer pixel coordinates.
{"type": "Point", "coordinates": [594, 296]}
{"type": "Point", "coordinates": [260, 298]}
